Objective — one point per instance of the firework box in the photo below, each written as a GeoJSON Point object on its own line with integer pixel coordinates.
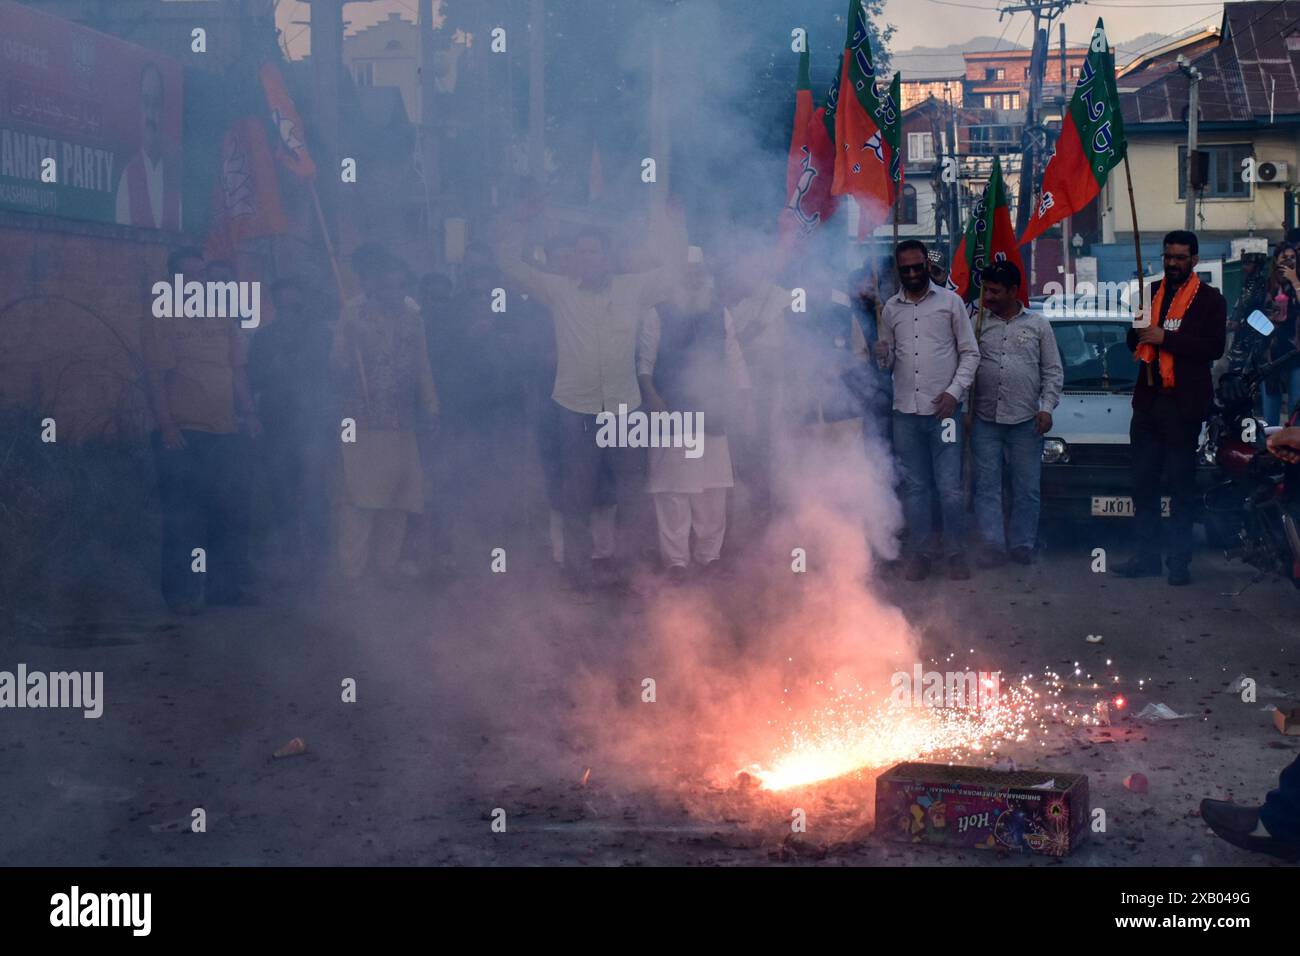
{"type": "Point", "coordinates": [1028, 811]}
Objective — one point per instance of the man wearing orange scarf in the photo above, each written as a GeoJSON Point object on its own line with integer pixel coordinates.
{"type": "Point", "coordinates": [1175, 352]}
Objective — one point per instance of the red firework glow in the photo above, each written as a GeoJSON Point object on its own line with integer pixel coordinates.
{"type": "Point", "coordinates": [856, 733]}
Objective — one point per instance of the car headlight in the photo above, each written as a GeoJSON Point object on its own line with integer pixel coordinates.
{"type": "Point", "coordinates": [1055, 452]}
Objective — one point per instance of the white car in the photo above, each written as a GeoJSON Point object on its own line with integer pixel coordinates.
{"type": "Point", "coordinates": [1086, 455]}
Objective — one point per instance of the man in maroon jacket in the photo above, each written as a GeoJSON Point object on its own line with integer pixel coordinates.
{"type": "Point", "coordinates": [1170, 401]}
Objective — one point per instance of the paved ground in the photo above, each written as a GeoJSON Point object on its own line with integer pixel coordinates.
{"type": "Point", "coordinates": [484, 692]}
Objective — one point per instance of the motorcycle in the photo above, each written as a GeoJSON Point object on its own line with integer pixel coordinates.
{"type": "Point", "coordinates": [1254, 507]}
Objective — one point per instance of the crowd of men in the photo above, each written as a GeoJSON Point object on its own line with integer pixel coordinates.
{"type": "Point", "coordinates": [433, 421]}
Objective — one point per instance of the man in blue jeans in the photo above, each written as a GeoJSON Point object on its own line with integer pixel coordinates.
{"type": "Point", "coordinates": [1017, 388]}
{"type": "Point", "coordinates": [926, 338]}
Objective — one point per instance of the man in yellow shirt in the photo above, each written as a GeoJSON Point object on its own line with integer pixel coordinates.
{"type": "Point", "coordinates": [197, 382]}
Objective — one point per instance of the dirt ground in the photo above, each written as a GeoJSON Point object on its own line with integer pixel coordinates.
{"type": "Point", "coordinates": [461, 709]}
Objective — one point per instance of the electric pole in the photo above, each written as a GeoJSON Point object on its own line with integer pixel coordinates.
{"type": "Point", "coordinates": [430, 158]}
{"type": "Point", "coordinates": [327, 70]}
{"type": "Point", "coordinates": [1193, 176]}
{"type": "Point", "coordinates": [1067, 227]}
{"type": "Point", "coordinates": [1033, 138]}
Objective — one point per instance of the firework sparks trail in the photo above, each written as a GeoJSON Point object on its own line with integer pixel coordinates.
{"type": "Point", "coordinates": [856, 733]}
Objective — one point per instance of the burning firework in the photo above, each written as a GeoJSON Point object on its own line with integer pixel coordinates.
{"type": "Point", "coordinates": [856, 734]}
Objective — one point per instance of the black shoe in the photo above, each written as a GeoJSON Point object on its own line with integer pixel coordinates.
{"type": "Point", "coordinates": [1180, 576]}
{"type": "Point", "coordinates": [917, 568]}
{"type": "Point", "coordinates": [1139, 566]}
{"type": "Point", "coordinates": [1236, 823]}
{"type": "Point", "coordinates": [677, 575]}
{"type": "Point", "coordinates": [958, 570]}
{"type": "Point", "coordinates": [1022, 555]}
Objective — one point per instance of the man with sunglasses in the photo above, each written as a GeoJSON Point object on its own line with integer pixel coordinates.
{"type": "Point", "coordinates": [926, 338]}
{"type": "Point", "coordinates": [1176, 349]}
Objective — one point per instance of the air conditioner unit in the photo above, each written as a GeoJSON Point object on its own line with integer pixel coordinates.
{"type": "Point", "coordinates": [1272, 173]}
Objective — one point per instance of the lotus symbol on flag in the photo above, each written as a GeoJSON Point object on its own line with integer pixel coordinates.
{"type": "Point", "coordinates": [873, 144]}
{"type": "Point", "coordinates": [236, 180]}
{"type": "Point", "coordinates": [288, 133]}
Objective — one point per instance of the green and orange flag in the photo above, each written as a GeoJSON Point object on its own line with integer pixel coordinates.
{"type": "Point", "coordinates": [989, 238]}
{"type": "Point", "coordinates": [1090, 145]}
{"type": "Point", "coordinates": [809, 167]}
{"type": "Point", "coordinates": [868, 162]}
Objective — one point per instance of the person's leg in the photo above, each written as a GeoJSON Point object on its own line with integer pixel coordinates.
{"type": "Point", "coordinates": [388, 532]}
{"type": "Point", "coordinates": [1146, 441]}
{"type": "Point", "coordinates": [635, 524]}
{"type": "Point", "coordinates": [1180, 478]}
{"type": "Point", "coordinates": [1280, 813]}
{"type": "Point", "coordinates": [1292, 395]}
{"type": "Point", "coordinates": [354, 539]}
{"type": "Point", "coordinates": [182, 531]}
{"type": "Point", "coordinates": [226, 469]}
{"type": "Point", "coordinates": [579, 472]}
{"type": "Point", "coordinates": [911, 445]}
{"type": "Point", "coordinates": [673, 516]}
{"type": "Point", "coordinates": [986, 463]}
{"type": "Point", "coordinates": [604, 540]}
{"type": "Point", "coordinates": [1025, 454]}
{"type": "Point", "coordinates": [945, 453]}
{"type": "Point", "coordinates": [1271, 405]}
{"type": "Point", "coordinates": [314, 509]}
{"type": "Point", "coordinates": [709, 521]}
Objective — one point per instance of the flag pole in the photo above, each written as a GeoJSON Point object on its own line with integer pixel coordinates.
{"type": "Point", "coordinates": [1137, 248]}
{"type": "Point", "coordinates": [329, 245]}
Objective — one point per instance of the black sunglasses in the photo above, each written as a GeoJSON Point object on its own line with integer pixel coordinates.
{"type": "Point", "coordinates": [920, 268]}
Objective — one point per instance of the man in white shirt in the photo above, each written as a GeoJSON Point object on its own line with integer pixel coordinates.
{"type": "Point", "coordinates": [597, 315]}
{"type": "Point", "coordinates": [927, 340]}
{"type": "Point", "coordinates": [1017, 388]}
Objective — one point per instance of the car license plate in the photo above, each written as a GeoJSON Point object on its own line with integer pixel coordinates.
{"type": "Point", "coordinates": [1121, 506]}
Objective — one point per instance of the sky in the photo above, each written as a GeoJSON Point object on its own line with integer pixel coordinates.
{"type": "Point", "coordinates": [919, 22]}
{"type": "Point", "coordinates": [940, 22]}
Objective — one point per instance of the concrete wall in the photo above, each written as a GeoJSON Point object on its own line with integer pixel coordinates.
{"type": "Point", "coordinates": [1154, 163]}
{"type": "Point", "coordinates": [71, 303]}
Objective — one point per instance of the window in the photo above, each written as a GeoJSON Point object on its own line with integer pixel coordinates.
{"type": "Point", "coordinates": [920, 147]}
{"type": "Point", "coordinates": [990, 74]}
{"type": "Point", "coordinates": [990, 102]}
{"type": "Point", "coordinates": [1074, 72]}
{"type": "Point", "coordinates": [1224, 179]}
{"type": "Point", "coordinates": [365, 74]}
{"type": "Point", "coordinates": [1002, 74]}
{"type": "Point", "coordinates": [1095, 355]}
{"type": "Point", "coordinates": [907, 212]}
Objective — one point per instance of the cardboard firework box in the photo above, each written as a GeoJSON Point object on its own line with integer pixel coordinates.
{"type": "Point", "coordinates": [1029, 811]}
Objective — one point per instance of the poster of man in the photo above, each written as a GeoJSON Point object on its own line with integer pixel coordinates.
{"type": "Point", "coordinates": [149, 192]}
{"type": "Point", "coordinates": [90, 125]}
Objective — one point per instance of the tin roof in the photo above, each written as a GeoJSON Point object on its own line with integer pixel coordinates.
{"type": "Point", "coordinates": [1255, 61]}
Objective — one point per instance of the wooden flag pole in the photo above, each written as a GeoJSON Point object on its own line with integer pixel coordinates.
{"type": "Point", "coordinates": [338, 279]}
{"type": "Point", "coordinates": [329, 244]}
{"type": "Point", "coordinates": [1137, 250]}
